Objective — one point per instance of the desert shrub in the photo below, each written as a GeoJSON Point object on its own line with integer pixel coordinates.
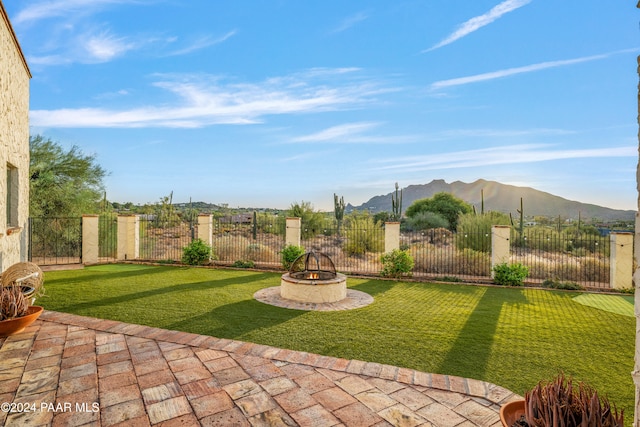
{"type": "Point", "coordinates": [474, 231]}
{"type": "Point", "coordinates": [448, 260]}
{"type": "Point", "coordinates": [510, 275]}
{"type": "Point", "coordinates": [258, 253]}
{"type": "Point", "coordinates": [425, 220]}
{"type": "Point", "coordinates": [362, 234]}
{"type": "Point", "coordinates": [311, 221]}
{"type": "Point", "coordinates": [196, 253]}
{"type": "Point", "coordinates": [289, 254]}
{"type": "Point", "coordinates": [243, 264]}
{"type": "Point", "coordinates": [572, 286]}
{"type": "Point", "coordinates": [231, 247]}
{"type": "Point", "coordinates": [396, 263]}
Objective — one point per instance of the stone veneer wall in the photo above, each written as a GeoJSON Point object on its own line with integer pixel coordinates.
{"type": "Point", "coordinates": [14, 142]}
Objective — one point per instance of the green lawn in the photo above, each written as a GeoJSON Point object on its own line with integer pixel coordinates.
{"type": "Point", "coordinates": [511, 337]}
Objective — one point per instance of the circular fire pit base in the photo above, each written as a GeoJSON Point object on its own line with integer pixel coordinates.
{"type": "Point", "coordinates": [314, 290]}
{"type": "Point", "coordinates": [354, 299]}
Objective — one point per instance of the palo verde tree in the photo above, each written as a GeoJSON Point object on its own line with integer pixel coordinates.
{"type": "Point", "coordinates": [312, 221]}
{"type": "Point", "coordinates": [63, 183]}
{"type": "Point", "coordinates": [444, 204]}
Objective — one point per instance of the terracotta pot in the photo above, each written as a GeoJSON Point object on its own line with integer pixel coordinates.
{"type": "Point", "coordinates": [13, 326]}
{"type": "Point", "coordinates": [511, 412]}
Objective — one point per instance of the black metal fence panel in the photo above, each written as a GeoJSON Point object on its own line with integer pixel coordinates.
{"type": "Point", "coordinates": [243, 243]}
{"type": "Point", "coordinates": [563, 257]}
{"type": "Point", "coordinates": [164, 241]}
{"type": "Point", "coordinates": [441, 254]}
{"type": "Point", "coordinates": [355, 247]}
{"type": "Point", "coordinates": [55, 241]}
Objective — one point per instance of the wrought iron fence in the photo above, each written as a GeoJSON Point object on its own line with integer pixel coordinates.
{"type": "Point", "coordinates": [442, 254]}
{"type": "Point", "coordinates": [164, 240]}
{"type": "Point", "coordinates": [108, 237]}
{"type": "Point", "coordinates": [55, 240]}
{"type": "Point", "coordinates": [563, 257]}
{"type": "Point", "coordinates": [258, 240]}
{"type": "Point", "coordinates": [355, 247]}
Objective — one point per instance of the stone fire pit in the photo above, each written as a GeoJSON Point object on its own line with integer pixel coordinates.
{"type": "Point", "coordinates": [312, 278]}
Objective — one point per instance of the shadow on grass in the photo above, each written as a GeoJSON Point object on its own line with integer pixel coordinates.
{"type": "Point", "coordinates": [469, 354]}
{"type": "Point", "coordinates": [182, 287]}
{"type": "Point", "coordinates": [82, 276]}
{"type": "Point", "coordinates": [373, 287]}
{"type": "Point", "coordinates": [235, 320]}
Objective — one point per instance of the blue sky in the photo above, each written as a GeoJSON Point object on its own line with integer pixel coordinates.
{"type": "Point", "coordinates": [264, 103]}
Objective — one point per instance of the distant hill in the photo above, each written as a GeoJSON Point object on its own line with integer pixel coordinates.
{"type": "Point", "coordinates": [502, 198]}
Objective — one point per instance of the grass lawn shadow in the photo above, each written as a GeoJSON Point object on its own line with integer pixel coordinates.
{"type": "Point", "coordinates": [469, 354]}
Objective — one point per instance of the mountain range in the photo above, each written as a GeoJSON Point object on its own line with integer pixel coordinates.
{"type": "Point", "coordinates": [502, 198]}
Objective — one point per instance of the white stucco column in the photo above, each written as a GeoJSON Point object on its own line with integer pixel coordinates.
{"type": "Point", "coordinates": [292, 236]}
{"type": "Point", "coordinates": [90, 239]}
{"type": "Point", "coordinates": [500, 245]}
{"type": "Point", "coordinates": [205, 228]}
{"type": "Point", "coordinates": [128, 237]}
{"type": "Point", "coordinates": [636, 278]}
{"type": "Point", "coordinates": [621, 264]}
{"type": "Point", "coordinates": [391, 236]}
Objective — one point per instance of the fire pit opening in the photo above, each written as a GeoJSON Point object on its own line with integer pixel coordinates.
{"type": "Point", "coordinates": [313, 278]}
{"type": "Point", "coordinates": [313, 266]}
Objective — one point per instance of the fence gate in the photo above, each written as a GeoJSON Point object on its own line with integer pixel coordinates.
{"type": "Point", "coordinates": [55, 240]}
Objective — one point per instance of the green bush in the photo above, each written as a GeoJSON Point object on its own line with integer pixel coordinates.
{"type": "Point", "coordinates": [510, 275]}
{"type": "Point", "coordinates": [556, 284]}
{"type": "Point", "coordinates": [243, 264]}
{"type": "Point", "coordinates": [396, 263]}
{"type": "Point", "coordinates": [196, 253]}
{"type": "Point", "coordinates": [363, 234]}
{"type": "Point", "coordinates": [289, 254]}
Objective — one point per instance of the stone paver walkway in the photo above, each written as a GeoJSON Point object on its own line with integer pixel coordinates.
{"type": "Point", "coordinates": [68, 370]}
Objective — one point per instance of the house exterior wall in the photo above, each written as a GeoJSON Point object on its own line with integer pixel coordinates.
{"type": "Point", "coordinates": [14, 146]}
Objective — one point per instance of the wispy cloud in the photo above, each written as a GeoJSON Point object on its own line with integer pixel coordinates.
{"type": "Point", "coordinates": [206, 100]}
{"type": "Point", "coordinates": [519, 70]}
{"type": "Point", "coordinates": [338, 133]}
{"type": "Point", "coordinates": [352, 133]}
{"type": "Point", "coordinates": [62, 8]}
{"type": "Point", "coordinates": [511, 154]}
{"type": "Point", "coordinates": [350, 22]}
{"type": "Point", "coordinates": [480, 21]}
{"type": "Point", "coordinates": [202, 43]}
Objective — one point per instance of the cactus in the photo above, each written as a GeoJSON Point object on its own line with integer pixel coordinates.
{"type": "Point", "coordinates": [520, 228]}
{"type": "Point", "coordinates": [396, 204]}
{"type": "Point", "coordinates": [338, 210]}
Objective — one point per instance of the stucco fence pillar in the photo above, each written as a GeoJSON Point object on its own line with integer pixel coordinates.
{"type": "Point", "coordinates": [205, 229]}
{"type": "Point", "coordinates": [500, 245]}
{"type": "Point", "coordinates": [391, 236]}
{"type": "Point", "coordinates": [128, 237]}
{"type": "Point", "coordinates": [621, 261]}
{"type": "Point", "coordinates": [90, 239]}
{"type": "Point", "coordinates": [293, 232]}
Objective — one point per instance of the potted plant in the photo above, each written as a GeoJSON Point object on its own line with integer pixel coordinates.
{"type": "Point", "coordinates": [28, 276]}
{"type": "Point", "coordinates": [15, 311]}
{"type": "Point", "coordinates": [561, 403]}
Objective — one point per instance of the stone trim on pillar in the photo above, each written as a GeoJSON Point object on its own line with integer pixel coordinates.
{"type": "Point", "coordinates": [90, 239]}
{"type": "Point", "coordinates": [391, 236]}
{"type": "Point", "coordinates": [621, 264]}
{"type": "Point", "coordinates": [293, 232]}
{"type": "Point", "coordinates": [128, 237]}
{"type": "Point", "coordinates": [205, 228]}
{"type": "Point", "coordinates": [500, 245]}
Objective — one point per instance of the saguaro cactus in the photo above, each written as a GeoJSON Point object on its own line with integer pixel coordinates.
{"type": "Point", "coordinates": [338, 210]}
{"type": "Point", "coordinates": [396, 204]}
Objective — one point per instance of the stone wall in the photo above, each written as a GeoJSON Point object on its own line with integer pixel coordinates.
{"type": "Point", "coordinates": [14, 145]}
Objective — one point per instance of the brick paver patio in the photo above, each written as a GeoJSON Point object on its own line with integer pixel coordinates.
{"type": "Point", "coordinates": [68, 370]}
